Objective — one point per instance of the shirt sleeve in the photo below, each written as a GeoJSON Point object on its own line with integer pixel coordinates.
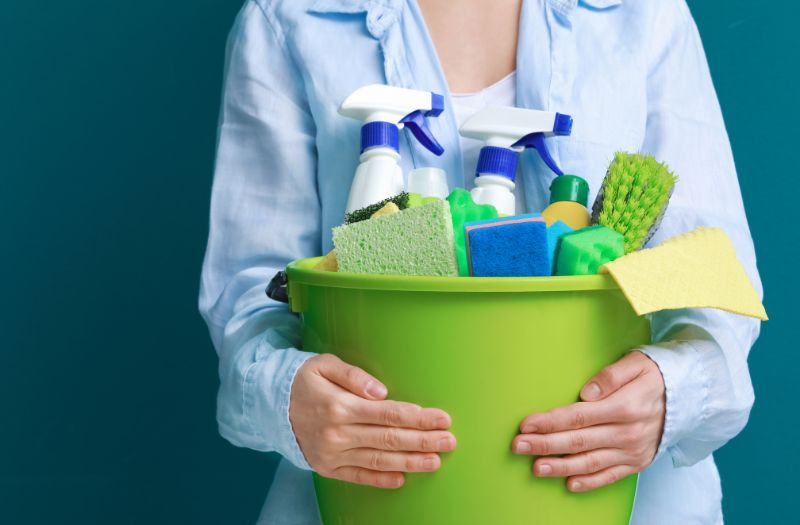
{"type": "Point", "coordinates": [702, 353]}
{"type": "Point", "coordinates": [265, 212]}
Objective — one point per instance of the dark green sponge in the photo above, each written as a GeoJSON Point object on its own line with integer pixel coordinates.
{"type": "Point", "coordinates": [402, 200]}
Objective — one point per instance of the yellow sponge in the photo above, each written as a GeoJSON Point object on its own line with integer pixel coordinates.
{"type": "Point", "coordinates": [328, 263]}
{"type": "Point", "coordinates": [696, 270]}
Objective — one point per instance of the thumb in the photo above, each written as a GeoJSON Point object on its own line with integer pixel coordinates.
{"type": "Point", "coordinates": [612, 378]}
{"type": "Point", "coordinates": [351, 378]}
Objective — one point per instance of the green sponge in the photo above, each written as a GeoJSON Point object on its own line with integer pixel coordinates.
{"type": "Point", "coordinates": [583, 252]}
{"type": "Point", "coordinates": [634, 197]}
{"type": "Point", "coordinates": [463, 210]}
{"type": "Point", "coordinates": [415, 241]}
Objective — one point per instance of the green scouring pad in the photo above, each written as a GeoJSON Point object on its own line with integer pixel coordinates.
{"type": "Point", "coordinates": [415, 241]}
{"type": "Point", "coordinates": [634, 197]}
{"type": "Point", "coordinates": [402, 200]}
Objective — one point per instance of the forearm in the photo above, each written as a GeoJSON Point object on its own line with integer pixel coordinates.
{"type": "Point", "coordinates": [259, 358]}
{"type": "Point", "coordinates": [707, 384]}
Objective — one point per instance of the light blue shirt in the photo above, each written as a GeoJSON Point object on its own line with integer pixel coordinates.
{"type": "Point", "coordinates": [634, 77]}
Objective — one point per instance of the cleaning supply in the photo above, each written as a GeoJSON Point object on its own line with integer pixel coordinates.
{"type": "Point", "coordinates": [554, 233]}
{"type": "Point", "coordinates": [634, 197]}
{"type": "Point", "coordinates": [488, 351]}
{"type": "Point", "coordinates": [401, 200]}
{"type": "Point", "coordinates": [583, 252]}
{"type": "Point", "coordinates": [463, 210]}
{"type": "Point", "coordinates": [508, 247]}
{"type": "Point", "coordinates": [698, 269]}
{"type": "Point", "coordinates": [569, 195]}
{"type": "Point", "coordinates": [388, 209]}
{"type": "Point", "coordinates": [415, 241]}
{"type": "Point", "coordinates": [506, 132]}
{"type": "Point", "coordinates": [328, 263]}
{"type": "Point", "coordinates": [384, 110]}
{"type": "Point", "coordinates": [415, 199]}
{"type": "Point", "coordinates": [428, 182]}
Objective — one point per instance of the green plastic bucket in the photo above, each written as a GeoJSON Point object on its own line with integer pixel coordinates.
{"type": "Point", "coordinates": [489, 351]}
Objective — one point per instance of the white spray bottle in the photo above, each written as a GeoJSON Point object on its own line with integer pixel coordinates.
{"type": "Point", "coordinates": [507, 131]}
{"type": "Point", "coordinates": [384, 110]}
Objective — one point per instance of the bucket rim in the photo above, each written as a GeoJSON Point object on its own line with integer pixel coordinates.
{"type": "Point", "coordinates": [302, 272]}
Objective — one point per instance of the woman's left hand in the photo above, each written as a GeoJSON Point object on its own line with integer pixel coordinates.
{"type": "Point", "coordinates": [613, 432]}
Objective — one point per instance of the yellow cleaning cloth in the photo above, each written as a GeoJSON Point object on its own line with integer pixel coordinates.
{"type": "Point", "coordinates": [696, 270]}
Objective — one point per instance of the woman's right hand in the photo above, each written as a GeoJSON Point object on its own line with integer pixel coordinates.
{"type": "Point", "coordinates": [347, 429]}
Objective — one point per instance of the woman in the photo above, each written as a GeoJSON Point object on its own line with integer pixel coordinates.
{"type": "Point", "coordinates": [634, 77]}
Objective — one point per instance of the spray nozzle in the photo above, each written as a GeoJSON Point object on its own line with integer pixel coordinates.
{"type": "Point", "coordinates": [384, 109]}
{"type": "Point", "coordinates": [536, 141]}
{"type": "Point", "coordinates": [513, 129]}
{"type": "Point", "coordinates": [416, 122]}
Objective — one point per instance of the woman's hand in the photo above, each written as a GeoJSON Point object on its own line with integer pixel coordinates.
{"type": "Point", "coordinates": [348, 431]}
{"type": "Point", "coordinates": [613, 433]}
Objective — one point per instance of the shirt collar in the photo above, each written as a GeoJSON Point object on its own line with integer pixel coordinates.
{"type": "Point", "coordinates": [381, 14]}
{"type": "Point", "coordinates": [565, 7]}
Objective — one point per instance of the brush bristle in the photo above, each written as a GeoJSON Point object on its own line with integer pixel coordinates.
{"type": "Point", "coordinates": [634, 197]}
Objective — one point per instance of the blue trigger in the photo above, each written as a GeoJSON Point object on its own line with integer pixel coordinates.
{"type": "Point", "coordinates": [415, 121]}
{"type": "Point", "coordinates": [536, 141]}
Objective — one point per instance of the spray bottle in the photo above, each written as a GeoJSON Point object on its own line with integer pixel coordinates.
{"type": "Point", "coordinates": [384, 110]}
{"type": "Point", "coordinates": [507, 131]}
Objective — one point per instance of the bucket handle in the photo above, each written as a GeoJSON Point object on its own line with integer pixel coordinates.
{"type": "Point", "coordinates": [277, 289]}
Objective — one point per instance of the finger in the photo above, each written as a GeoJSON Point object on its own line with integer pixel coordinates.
{"type": "Point", "coordinates": [569, 442]}
{"type": "Point", "coordinates": [402, 439]}
{"type": "Point", "coordinates": [351, 378]}
{"type": "Point", "coordinates": [613, 377]}
{"type": "Point", "coordinates": [571, 417]}
{"type": "Point", "coordinates": [578, 464]}
{"type": "Point", "coordinates": [385, 461]}
{"type": "Point", "coordinates": [399, 414]}
{"type": "Point", "coordinates": [362, 476]}
{"type": "Point", "coordinates": [599, 479]}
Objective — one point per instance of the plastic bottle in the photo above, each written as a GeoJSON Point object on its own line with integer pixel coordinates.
{"type": "Point", "coordinates": [507, 131]}
{"type": "Point", "coordinates": [569, 195]}
{"type": "Point", "coordinates": [428, 182]}
{"type": "Point", "coordinates": [384, 110]}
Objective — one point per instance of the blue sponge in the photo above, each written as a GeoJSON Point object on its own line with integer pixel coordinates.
{"type": "Point", "coordinates": [554, 233]}
{"type": "Point", "coordinates": [508, 247]}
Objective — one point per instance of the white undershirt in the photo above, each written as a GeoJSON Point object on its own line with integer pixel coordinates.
{"type": "Point", "coordinates": [501, 93]}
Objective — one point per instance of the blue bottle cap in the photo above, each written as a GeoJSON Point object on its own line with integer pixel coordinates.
{"type": "Point", "coordinates": [497, 161]}
{"type": "Point", "coordinates": [380, 135]}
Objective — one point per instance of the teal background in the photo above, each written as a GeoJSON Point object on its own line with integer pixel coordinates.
{"type": "Point", "coordinates": [108, 378]}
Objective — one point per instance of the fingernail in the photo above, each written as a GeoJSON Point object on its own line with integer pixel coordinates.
{"type": "Point", "coordinates": [591, 392]}
{"type": "Point", "coordinates": [529, 429]}
{"type": "Point", "coordinates": [376, 389]}
{"type": "Point", "coordinates": [545, 470]}
{"type": "Point", "coordinates": [523, 447]}
{"type": "Point", "coordinates": [576, 485]}
{"type": "Point", "coordinates": [429, 463]}
{"type": "Point", "coordinates": [442, 422]}
{"type": "Point", "coordinates": [445, 444]}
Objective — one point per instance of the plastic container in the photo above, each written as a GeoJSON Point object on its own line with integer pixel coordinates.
{"type": "Point", "coordinates": [568, 197]}
{"type": "Point", "coordinates": [489, 351]}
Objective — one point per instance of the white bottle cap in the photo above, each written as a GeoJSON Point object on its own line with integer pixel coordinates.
{"type": "Point", "coordinates": [428, 182]}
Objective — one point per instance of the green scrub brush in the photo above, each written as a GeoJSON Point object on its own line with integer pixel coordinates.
{"type": "Point", "coordinates": [634, 197]}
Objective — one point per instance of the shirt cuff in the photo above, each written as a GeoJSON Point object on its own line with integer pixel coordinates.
{"type": "Point", "coordinates": [686, 385]}
{"type": "Point", "coordinates": [267, 394]}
